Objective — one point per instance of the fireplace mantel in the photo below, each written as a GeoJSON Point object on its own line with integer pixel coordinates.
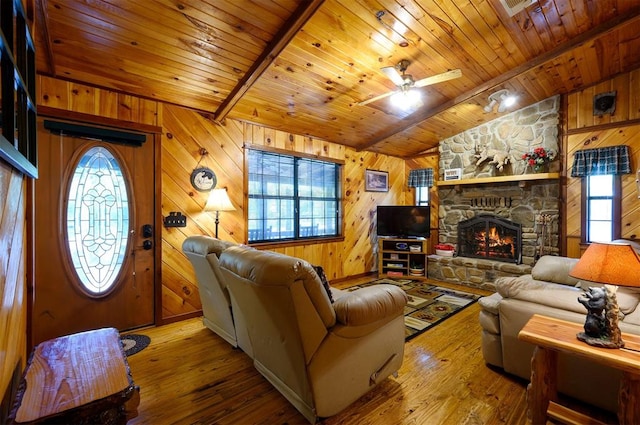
{"type": "Point", "coordinates": [500, 179]}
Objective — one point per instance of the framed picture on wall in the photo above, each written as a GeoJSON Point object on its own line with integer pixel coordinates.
{"type": "Point", "coordinates": [376, 181]}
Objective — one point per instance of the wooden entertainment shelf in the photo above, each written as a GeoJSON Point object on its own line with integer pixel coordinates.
{"type": "Point", "coordinates": [500, 179]}
{"type": "Point", "coordinates": [397, 258]}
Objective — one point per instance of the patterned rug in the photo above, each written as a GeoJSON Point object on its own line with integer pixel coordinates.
{"type": "Point", "coordinates": [134, 343]}
{"type": "Point", "coordinates": [428, 304]}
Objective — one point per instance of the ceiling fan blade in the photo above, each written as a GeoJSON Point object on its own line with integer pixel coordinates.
{"type": "Point", "coordinates": [373, 99]}
{"type": "Point", "coordinates": [393, 74]}
{"type": "Point", "coordinates": [445, 76]}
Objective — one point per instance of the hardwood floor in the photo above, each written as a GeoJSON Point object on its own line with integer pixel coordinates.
{"type": "Point", "coordinates": [189, 375]}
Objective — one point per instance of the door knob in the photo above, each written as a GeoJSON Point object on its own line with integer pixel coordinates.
{"type": "Point", "coordinates": [147, 245]}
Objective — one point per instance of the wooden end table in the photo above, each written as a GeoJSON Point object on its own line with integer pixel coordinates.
{"type": "Point", "coordinates": [80, 378]}
{"type": "Point", "coordinates": [551, 336]}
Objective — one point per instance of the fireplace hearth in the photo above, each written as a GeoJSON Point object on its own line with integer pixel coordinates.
{"type": "Point", "coordinates": [490, 237]}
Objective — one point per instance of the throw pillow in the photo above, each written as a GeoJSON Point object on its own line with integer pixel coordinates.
{"type": "Point", "coordinates": [323, 278]}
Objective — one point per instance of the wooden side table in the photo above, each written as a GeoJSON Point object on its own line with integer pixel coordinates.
{"type": "Point", "coordinates": [80, 378]}
{"type": "Point", "coordinates": [552, 336]}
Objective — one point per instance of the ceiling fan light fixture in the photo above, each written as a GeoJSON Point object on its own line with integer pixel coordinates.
{"type": "Point", "coordinates": [406, 99]}
{"type": "Point", "coordinates": [405, 83]}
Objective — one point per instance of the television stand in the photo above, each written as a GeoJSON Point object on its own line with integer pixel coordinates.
{"type": "Point", "coordinates": [402, 258]}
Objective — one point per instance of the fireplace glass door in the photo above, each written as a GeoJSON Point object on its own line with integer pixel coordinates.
{"type": "Point", "coordinates": [490, 237]}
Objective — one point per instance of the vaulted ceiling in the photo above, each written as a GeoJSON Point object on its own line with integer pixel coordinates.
{"type": "Point", "coordinates": [304, 66]}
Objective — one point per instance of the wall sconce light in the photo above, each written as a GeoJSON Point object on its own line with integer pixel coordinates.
{"type": "Point", "coordinates": [502, 98]}
{"type": "Point", "coordinates": [218, 201]}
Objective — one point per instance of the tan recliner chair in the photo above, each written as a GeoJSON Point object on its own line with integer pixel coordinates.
{"type": "Point", "coordinates": [320, 356]}
{"type": "Point", "coordinates": [203, 252]}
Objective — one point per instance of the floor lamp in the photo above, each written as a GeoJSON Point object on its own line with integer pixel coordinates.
{"type": "Point", "coordinates": [218, 201]}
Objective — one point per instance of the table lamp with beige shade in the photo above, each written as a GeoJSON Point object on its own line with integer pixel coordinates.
{"type": "Point", "coordinates": [219, 201]}
{"type": "Point", "coordinates": [611, 264]}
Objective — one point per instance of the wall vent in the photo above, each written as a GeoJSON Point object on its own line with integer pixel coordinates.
{"type": "Point", "coordinates": [514, 6]}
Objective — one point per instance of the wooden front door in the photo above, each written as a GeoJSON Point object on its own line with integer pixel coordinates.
{"type": "Point", "coordinates": [94, 234]}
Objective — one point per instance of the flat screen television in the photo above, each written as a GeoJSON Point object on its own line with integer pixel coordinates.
{"type": "Point", "coordinates": [403, 221]}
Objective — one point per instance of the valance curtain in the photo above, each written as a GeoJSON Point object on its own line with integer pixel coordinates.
{"type": "Point", "coordinates": [608, 160]}
{"type": "Point", "coordinates": [421, 178]}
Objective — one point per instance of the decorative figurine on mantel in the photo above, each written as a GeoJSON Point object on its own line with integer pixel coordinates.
{"type": "Point", "coordinates": [498, 158]}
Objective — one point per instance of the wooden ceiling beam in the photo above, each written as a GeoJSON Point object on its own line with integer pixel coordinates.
{"type": "Point", "coordinates": [288, 31]}
{"type": "Point", "coordinates": [42, 25]}
{"type": "Point", "coordinates": [630, 17]}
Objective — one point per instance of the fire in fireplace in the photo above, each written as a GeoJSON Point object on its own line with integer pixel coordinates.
{"type": "Point", "coordinates": [490, 237]}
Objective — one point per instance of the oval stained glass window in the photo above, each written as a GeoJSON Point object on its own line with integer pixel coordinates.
{"type": "Point", "coordinates": [97, 220]}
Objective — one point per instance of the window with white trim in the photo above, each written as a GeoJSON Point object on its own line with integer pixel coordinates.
{"type": "Point", "coordinates": [292, 198]}
{"type": "Point", "coordinates": [601, 207]}
{"type": "Point", "coordinates": [422, 196]}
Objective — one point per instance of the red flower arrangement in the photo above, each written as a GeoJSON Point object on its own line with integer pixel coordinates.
{"type": "Point", "coordinates": [539, 156]}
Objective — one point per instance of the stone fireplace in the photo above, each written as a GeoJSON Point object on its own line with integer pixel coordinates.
{"type": "Point", "coordinates": [490, 237]}
{"type": "Point", "coordinates": [533, 204]}
{"type": "Point", "coordinates": [519, 205]}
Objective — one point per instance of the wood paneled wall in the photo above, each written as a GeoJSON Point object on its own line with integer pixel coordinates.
{"type": "Point", "coordinates": [13, 295]}
{"type": "Point", "coordinates": [185, 134]}
{"type": "Point", "coordinates": [580, 104]}
{"type": "Point", "coordinates": [88, 100]}
{"type": "Point", "coordinates": [586, 131]}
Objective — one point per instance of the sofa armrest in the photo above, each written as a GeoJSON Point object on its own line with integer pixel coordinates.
{"type": "Point", "coordinates": [370, 304]}
{"type": "Point", "coordinates": [491, 303]}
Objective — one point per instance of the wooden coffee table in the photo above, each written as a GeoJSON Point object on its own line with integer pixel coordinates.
{"type": "Point", "coordinates": [552, 336]}
{"type": "Point", "coordinates": [80, 378]}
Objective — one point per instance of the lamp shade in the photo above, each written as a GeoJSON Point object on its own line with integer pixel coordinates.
{"type": "Point", "coordinates": [615, 264]}
{"type": "Point", "coordinates": [219, 201]}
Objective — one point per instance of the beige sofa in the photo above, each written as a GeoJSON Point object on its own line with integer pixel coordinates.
{"type": "Point", "coordinates": [321, 356]}
{"type": "Point", "coordinates": [550, 291]}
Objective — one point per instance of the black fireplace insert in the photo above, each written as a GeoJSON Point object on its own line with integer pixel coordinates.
{"type": "Point", "coordinates": [490, 237]}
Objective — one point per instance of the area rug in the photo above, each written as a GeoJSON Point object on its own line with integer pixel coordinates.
{"type": "Point", "coordinates": [428, 304]}
{"type": "Point", "coordinates": [134, 343]}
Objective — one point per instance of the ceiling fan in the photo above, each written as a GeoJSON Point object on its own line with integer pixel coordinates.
{"type": "Point", "coordinates": [405, 81]}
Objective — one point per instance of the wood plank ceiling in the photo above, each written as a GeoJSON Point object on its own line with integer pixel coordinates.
{"type": "Point", "coordinates": [303, 66]}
